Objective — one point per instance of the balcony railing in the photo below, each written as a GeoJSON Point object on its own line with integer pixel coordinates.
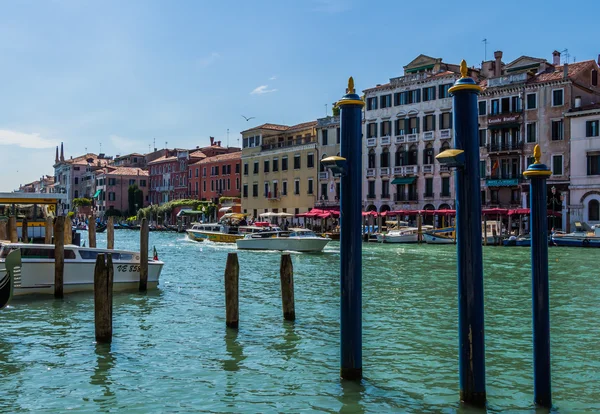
{"type": "Point", "coordinates": [445, 134]}
{"type": "Point", "coordinates": [400, 139]}
{"type": "Point", "coordinates": [412, 138]}
{"type": "Point", "coordinates": [323, 175]}
{"type": "Point", "coordinates": [401, 197]}
{"type": "Point", "coordinates": [428, 136]}
{"type": "Point", "coordinates": [505, 146]}
{"type": "Point", "coordinates": [411, 169]}
{"type": "Point", "coordinates": [428, 169]}
{"type": "Point", "coordinates": [385, 196]}
{"type": "Point", "coordinates": [371, 196]}
{"type": "Point", "coordinates": [444, 168]}
{"type": "Point", "coordinates": [371, 172]}
{"type": "Point", "coordinates": [385, 140]}
{"type": "Point", "coordinates": [289, 143]}
{"type": "Point", "coordinates": [427, 195]}
{"type": "Point", "coordinates": [398, 171]}
{"type": "Point", "coordinates": [371, 142]}
{"type": "Point", "coordinates": [384, 171]}
{"type": "Point", "coordinates": [328, 203]}
{"type": "Point", "coordinates": [445, 195]}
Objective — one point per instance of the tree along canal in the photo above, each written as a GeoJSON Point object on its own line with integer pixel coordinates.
{"type": "Point", "coordinates": [172, 352]}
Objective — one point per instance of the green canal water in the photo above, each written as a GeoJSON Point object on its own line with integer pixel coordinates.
{"type": "Point", "coordinates": [171, 351]}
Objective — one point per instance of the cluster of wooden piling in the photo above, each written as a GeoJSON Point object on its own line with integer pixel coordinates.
{"type": "Point", "coordinates": [232, 272]}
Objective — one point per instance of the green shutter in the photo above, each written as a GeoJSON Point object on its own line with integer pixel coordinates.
{"type": "Point", "coordinates": [433, 122]}
{"type": "Point", "coordinates": [418, 126]}
{"type": "Point", "coordinates": [450, 120]}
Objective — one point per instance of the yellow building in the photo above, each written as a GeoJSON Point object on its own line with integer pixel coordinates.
{"type": "Point", "coordinates": [279, 168]}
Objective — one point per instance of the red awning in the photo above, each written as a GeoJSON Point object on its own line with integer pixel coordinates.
{"type": "Point", "coordinates": [369, 213]}
{"type": "Point", "coordinates": [445, 212]}
{"type": "Point", "coordinates": [518, 211]}
{"type": "Point", "coordinates": [495, 211]}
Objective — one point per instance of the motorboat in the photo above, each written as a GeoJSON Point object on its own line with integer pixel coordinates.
{"type": "Point", "coordinates": [298, 240]}
{"type": "Point", "coordinates": [491, 232]}
{"type": "Point", "coordinates": [583, 236]}
{"type": "Point", "coordinates": [37, 268]}
{"type": "Point", "coordinates": [9, 272]}
{"type": "Point", "coordinates": [445, 235]}
{"type": "Point", "coordinates": [401, 235]}
{"type": "Point", "coordinates": [219, 233]}
{"type": "Point", "coordinates": [522, 241]}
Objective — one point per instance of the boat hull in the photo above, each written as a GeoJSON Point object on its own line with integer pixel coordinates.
{"type": "Point", "coordinates": [576, 241]}
{"type": "Point", "coordinates": [437, 239]}
{"type": "Point", "coordinates": [215, 237]}
{"type": "Point", "coordinates": [404, 238]}
{"type": "Point", "coordinates": [302, 244]}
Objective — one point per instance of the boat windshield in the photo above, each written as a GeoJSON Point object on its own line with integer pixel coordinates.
{"type": "Point", "coordinates": [302, 233]}
{"type": "Point", "coordinates": [93, 254]}
{"type": "Point", "coordinates": [35, 252]}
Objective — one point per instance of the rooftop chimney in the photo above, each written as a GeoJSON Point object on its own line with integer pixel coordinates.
{"type": "Point", "coordinates": [212, 141]}
{"type": "Point", "coordinates": [556, 58]}
{"type": "Point", "coordinates": [498, 64]}
{"type": "Point", "coordinates": [62, 153]}
{"type": "Point", "coordinates": [56, 158]}
{"type": "Point", "coordinates": [566, 70]}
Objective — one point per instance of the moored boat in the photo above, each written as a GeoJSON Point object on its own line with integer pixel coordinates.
{"type": "Point", "coordinates": [402, 235]}
{"type": "Point", "coordinates": [298, 240]}
{"type": "Point", "coordinates": [583, 236]}
{"type": "Point", "coordinates": [445, 235]}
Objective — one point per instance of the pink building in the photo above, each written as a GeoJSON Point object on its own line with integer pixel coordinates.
{"type": "Point", "coordinates": [112, 188]}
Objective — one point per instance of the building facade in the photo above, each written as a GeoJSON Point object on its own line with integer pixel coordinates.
{"type": "Point", "coordinates": [584, 187]}
{"type": "Point", "coordinates": [215, 177]}
{"type": "Point", "coordinates": [279, 168]}
{"type": "Point", "coordinates": [134, 160]}
{"type": "Point", "coordinates": [406, 123]}
{"type": "Point", "coordinates": [162, 187]}
{"type": "Point", "coordinates": [328, 144]}
{"type": "Point", "coordinates": [112, 185]}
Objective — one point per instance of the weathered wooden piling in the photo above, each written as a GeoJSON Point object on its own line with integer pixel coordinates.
{"type": "Point", "coordinates": [92, 231]}
{"type": "Point", "coordinates": [286, 274]}
{"type": "Point", "coordinates": [103, 292]}
{"type": "Point", "coordinates": [49, 230]}
{"type": "Point", "coordinates": [12, 229]}
{"type": "Point", "coordinates": [25, 231]}
{"type": "Point", "coordinates": [144, 231]}
{"type": "Point", "coordinates": [232, 271]}
{"type": "Point", "coordinates": [420, 228]}
{"type": "Point", "coordinates": [484, 230]}
{"type": "Point", "coordinates": [3, 233]}
{"type": "Point", "coordinates": [110, 233]}
{"type": "Point", "coordinates": [68, 235]}
{"type": "Point", "coordinates": [59, 256]}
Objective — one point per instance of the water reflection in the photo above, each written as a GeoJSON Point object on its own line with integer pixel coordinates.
{"type": "Point", "coordinates": [289, 346]}
{"type": "Point", "coordinates": [235, 351]}
{"type": "Point", "coordinates": [351, 397]}
{"type": "Point", "coordinates": [105, 362]}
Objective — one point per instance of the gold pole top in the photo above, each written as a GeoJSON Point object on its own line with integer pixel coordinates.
{"type": "Point", "coordinates": [350, 85]}
{"type": "Point", "coordinates": [537, 154]}
{"type": "Point", "coordinates": [463, 69]}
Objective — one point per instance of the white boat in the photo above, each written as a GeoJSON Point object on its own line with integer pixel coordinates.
{"type": "Point", "coordinates": [219, 233]}
{"type": "Point", "coordinates": [37, 268]}
{"type": "Point", "coordinates": [298, 240]}
{"type": "Point", "coordinates": [440, 236]}
{"type": "Point", "coordinates": [402, 235]}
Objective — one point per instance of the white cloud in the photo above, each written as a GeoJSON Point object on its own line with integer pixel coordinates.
{"type": "Point", "coordinates": [23, 140]}
{"type": "Point", "coordinates": [262, 89]}
{"type": "Point", "coordinates": [208, 60]}
{"type": "Point", "coordinates": [125, 145]}
{"type": "Point", "coordinates": [273, 77]}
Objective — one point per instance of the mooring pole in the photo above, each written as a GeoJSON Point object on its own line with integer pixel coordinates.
{"type": "Point", "coordinates": [538, 173]}
{"type": "Point", "coordinates": [350, 237]}
{"type": "Point", "coordinates": [469, 251]}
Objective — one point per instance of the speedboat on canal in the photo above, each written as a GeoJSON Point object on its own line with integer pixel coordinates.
{"type": "Point", "coordinates": [445, 235]}
{"type": "Point", "coordinates": [401, 235]}
{"type": "Point", "coordinates": [583, 236]}
{"type": "Point", "coordinates": [37, 268]}
{"type": "Point", "coordinates": [298, 240]}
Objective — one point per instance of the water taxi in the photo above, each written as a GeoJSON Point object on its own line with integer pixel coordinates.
{"type": "Point", "coordinates": [37, 268]}
{"type": "Point", "coordinates": [400, 235]}
{"type": "Point", "coordinates": [297, 240]}
{"type": "Point", "coordinates": [445, 235]}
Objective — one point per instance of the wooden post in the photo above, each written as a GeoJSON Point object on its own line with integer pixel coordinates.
{"type": "Point", "coordinates": [49, 231]}
{"type": "Point", "coordinates": [286, 274]}
{"type": "Point", "coordinates": [24, 231]}
{"type": "Point", "coordinates": [103, 288]}
{"type": "Point", "coordinates": [144, 255]}
{"type": "Point", "coordinates": [232, 271]}
{"type": "Point", "coordinates": [68, 236]}
{"type": "Point", "coordinates": [92, 231]}
{"type": "Point", "coordinates": [485, 230]}
{"type": "Point", "coordinates": [420, 228]}
{"type": "Point", "coordinates": [3, 235]}
{"type": "Point", "coordinates": [12, 229]}
{"type": "Point", "coordinates": [110, 233]}
{"type": "Point", "coordinates": [59, 256]}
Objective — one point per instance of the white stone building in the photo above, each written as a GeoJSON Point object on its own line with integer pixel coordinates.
{"type": "Point", "coordinates": [328, 144]}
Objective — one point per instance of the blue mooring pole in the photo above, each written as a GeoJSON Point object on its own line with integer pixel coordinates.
{"type": "Point", "coordinates": [469, 251]}
{"type": "Point", "coordinates": [350, 234]}
{"type": "Point", "coordinates": [538, 173]}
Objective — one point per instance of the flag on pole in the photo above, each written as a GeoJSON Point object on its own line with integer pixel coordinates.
{"type": "Point", "coordinates": [155, 253]}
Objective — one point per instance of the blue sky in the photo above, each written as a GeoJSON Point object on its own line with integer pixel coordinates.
{"type": "Point", "coordinates": [123, 73]}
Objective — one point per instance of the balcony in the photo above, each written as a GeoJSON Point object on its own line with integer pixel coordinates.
{"type": "Point", "coordinates": [371, 197]}
{"type": "Point", "coordinates": [444, 169]}
{"type": "Point", "coordinates": [273, 196]}
{"type": "Point", "coordinates": [400, 139]}
{"type": "Point", "coordinates": [385, 196]}
{"type": "Point", "coordinates": [324, 175]}
{"type": "Point", "coordinates": [428, 169]}
{"type": "Point", "coordinates": [327, 203]}
{"type": "Point", "coordinates": [445, 195]}
{"type": "Point", "coordinates": [506, 180]}
{"type": "Point", "coordinates": [384, 171]}
{"type": "Point", "coordinates": [445, 134]}
{"type": "Point", "coordinates": [385, 140]}
{"type": "Point", "coordinates": [398, 171]}
{"type": "Point", "coordinates": [411, 169]}
{"type": "Point", "coordinates": [405, 198]}
{"type": "Point", "coordinates": [289, 143]}
{"type": "Point", "coordinates": [370, 172]}
{"type": "Point", "coordinates": [371, 142]}
{"type": "Point", "coordinates": [505, 147]}
{"type": "Point", "coordinates": [428, 136]}
{"type": "Point", "coordinates": [412, 137]}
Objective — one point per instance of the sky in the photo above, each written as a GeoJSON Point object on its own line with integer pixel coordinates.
{"type": "Point", "coordinates": [117, 76]}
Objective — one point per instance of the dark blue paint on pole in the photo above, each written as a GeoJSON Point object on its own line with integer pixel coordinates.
{"type": "Point", "coordinates": [538, 173]}
{"type": "Point", "coordinates": [350, 234]}
{"type": "Point", "coordinates": [469, 251]}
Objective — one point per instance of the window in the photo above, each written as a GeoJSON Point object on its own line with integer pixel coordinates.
{"type": "Point", "coordinates": [275, 164]}
{"type": "Point", "coordinates": [284, 166]}
{"type": "Point", "coordinates": [400, 98]}
{"type": "Point", "coordinates": [557, 130]}
{"type": "Point", "coordinates": [399, 127]}
{"type": "Point", "coordinates": [446, 120]}
{"type": "Point", "coordinates": [223, 170]}
{"type": "Point", "coordinates": [371, 103]}
{"type": "Point", "coordinates": [594, 77]}
{"type": "Point", "coordinates": [482, 107]}
{"type": "Point", "coordinates": [531, 101]}
{"type": "Point", "coordinates": [204, 186]}
{"type": "Point", "coordinates": [245, 168]}
{"type": "Point", "coordinates": [255, 167]}
{"type": "Point", "coordinates": [76, 180]}
{"type": "Point", "coordinates": [237, 168]}
{"type": "Point", "coordinates": [212, 185]}
{"type": "Point", "coordinates": [445, 186]}
{"type": "Point", "coordinates": [594, 210]}
{"type": "Point", "coordinates": [324, 137]}
{"type": "Point", "coordinates": [310, 160]}
{"type": "Point", "coordinates": [371, 189]}
{"type": "Point", "coordinates": [591, 128]}
{"type": "Point", "coordinates": [429, 187]}
{"type": "Point", "coordinates": [385, 189]}
{"type": "Point", "coordinates": [482, 137]}
{"type": "Point", "coordinates": [385, 101]}
{"type": "Point", "coordinates": [310, 186]}
{"type": "Point", "coordinates": [481, 168]}
{"type": "Point", "coordinates": [297, 186]}
{"type": "Point", "coordinates": [427, 155]}
{"type": "Point", "coordinates": [414, 96]}
{"type": "Point", "coordinates": [297, 162]}
{"type": "Point", "coordinates": [245, 143]}
{"type": "Point", "coordinates": [495, 109]}
{"type": "Point", "coordinates": [444, 90]}
{"type": "Point", "coordinates": [372, 130]}
{"type": "Point", "coordinates": [531, 130]}
{"type": "Point", "coordinates": [245, 191]}
{"type": "Point", "coordinates": [386, 128]}
{"type": "Point", "coordinates": [275, 189]}
{"type": "Point", "coordinates": [131, 182]}
{"type": "Point", "coordinates": [371, 159]}
{"type": "Point", "coordinates": [429, 94]}
{"type": "Point", "coordinates": [112, 181]}
{"type": "Point", "coordinates": [413, 125]}
{"type": "Point", "coordinates": [515, 103]}
{"type": "Point", "coordinates": [267, 192]}
{"type": "Point", "coordinates": [237, 183]}
{"type": "Point", "coordinates": [593, 164]}
{"type": "Point", "coordinates": [284, 188]}
{"type": "Point", "coordinates": [429, 123]}
{"type": "Point", "coordinates": [111, 196]}
{"type": "Point", "coordinates": [204, 172]}
{"type": "Point", "coordinates": [255, 190]}
{"type": "Point", "coordinates": [142, 183]}
{"type": "Point", "coordinates": [557, 97]}
{"type": "Point", "coordinates": [266, 166]}
{"type": "Point", "coordinates": [557, 165]}
{"type": "Point", "coordinates": [338, 135]}
{"type": "Point", "coordinates": [384, 158]}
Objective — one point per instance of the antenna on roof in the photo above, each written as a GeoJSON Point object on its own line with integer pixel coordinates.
{"type": "Point", "coordinates": [100, 148]}
{"type": "Point", "coordinates": [325, 109]}
{"type": "Point", "coordinates": [485, 42]}
{"type": "Point", "coordinates": [227, 137]}
{"type": "Point", "coordinates": [566, 55]}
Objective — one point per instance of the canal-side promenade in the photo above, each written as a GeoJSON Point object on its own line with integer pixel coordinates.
{"type": "Point", "coordinates": [171, 351]}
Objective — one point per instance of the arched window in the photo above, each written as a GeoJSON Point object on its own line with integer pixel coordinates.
{"type": "Point", "coordinates": [428, 154]}
{"type": "Point", "coordinates": [594, 210]}
{"type": "Point", "coordinates": [445, 146]}
{"type": "Point", "coordinates": [371, 159]}
{"type": "Point", "coordinates": [400, 156]}
{"type": "Point", "coordinates": [385, 158]}
{"type": "Point", "coordinates": [412, 155]}
{"type": "Point", "coordinates": [321, 166]}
